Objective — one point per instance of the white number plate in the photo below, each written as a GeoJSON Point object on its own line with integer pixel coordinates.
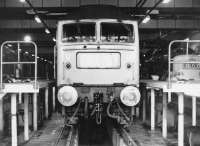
{"type": "Point", "coordinates": [192, 66]}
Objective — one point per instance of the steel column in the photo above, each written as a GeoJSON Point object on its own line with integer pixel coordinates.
{"type": "Point", "coordinates": [152, 109]}
{"type": "Point", "coordinates": [164, 121]}
{"type": "Point", "coordinates": [26, 117]}
{"type": "Point", "coordinates": [194, 111]}
{"type": "Point", "coordinates": [14, 119]}
{"type": "Point", "coordinates": [181, 119]}
{"type": "Point", "coordinates": [46, 103]}
{"type": "Point", "coordinates": [1, 116]}
{"type": "Point", "coordinates": [35, 110]}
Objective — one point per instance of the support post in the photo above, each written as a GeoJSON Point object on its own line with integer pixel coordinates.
{"type": "Point", "coordinates": [14, 119]}
{"type": "Point", "coordinates": [181, 119]}
{"type": "Point", "coordinates": [26, 120]}
{"type": "Point", "coordinates": [152, 109]}
{"type": "Point", "coordinates": [143, 106]}
{"type": "Point", "coordinates": [1, 115]}
{"type": "Point", "coordinates": [54, 98]}
{"type": "Point", "coordinates": [46, 103]}
{"type": "Point", "coordinates": [20, 98]}
{"type": "Point", "coordinates": [194, 111]}
{"type": "Point", "coordinates": [169, 96]}
{"type": "Point", "coordinates": [63, 110]}
{"type": "Point", "coordinates": [164, 121]}
{"type": "Point", "coordinates": [35, 126]}
{"type": "Point", "coordinates": [137, 112]}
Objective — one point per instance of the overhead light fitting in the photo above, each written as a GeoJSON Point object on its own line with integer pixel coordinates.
{"type": "Point", "coordinates": [146, 19]}
{"type": "Point", "coordinates": [22, 1]}
{"type": "Point", "coordinates": [37, 19]}
{"type": "Point", "coordinates": [27, 38]}
{"type": "Point", "coordinates": [47, 31]}
{"type": "Point", "coordinates": [54, 39]}
{"type": "Point", "coordinates": [166, 1]}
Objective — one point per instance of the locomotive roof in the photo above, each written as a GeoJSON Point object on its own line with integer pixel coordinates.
{"type": "Point", "coordinates": [98, 12]}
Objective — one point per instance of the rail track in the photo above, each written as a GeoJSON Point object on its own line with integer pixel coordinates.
{"type": "Point", "coordinates": [118, 136]}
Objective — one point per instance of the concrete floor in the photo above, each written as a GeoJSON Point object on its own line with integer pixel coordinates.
{"type": "Point", "coordinates": [50, 131]}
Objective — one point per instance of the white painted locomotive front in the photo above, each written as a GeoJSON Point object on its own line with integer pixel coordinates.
{"type": "Point", "coordinates": [129, 55]}
{"type": "Point", "coordinates": [98, 66]}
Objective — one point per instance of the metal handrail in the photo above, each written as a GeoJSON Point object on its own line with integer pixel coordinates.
{"type": "Point", "coordinates": [18, 62]}
{"type": "Point", "coordinates": [173, 62]}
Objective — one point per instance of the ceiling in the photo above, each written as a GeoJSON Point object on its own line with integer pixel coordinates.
{"type": "Point", "coordinates": [174, 20]}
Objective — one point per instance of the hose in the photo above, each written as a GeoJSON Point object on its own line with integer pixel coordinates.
{"type": "Point", "coordinates": [108, 112]}
{"type": "Point", "coordinates": [74, 114]}
{"type": "Point", "coordinates": [122, 112]}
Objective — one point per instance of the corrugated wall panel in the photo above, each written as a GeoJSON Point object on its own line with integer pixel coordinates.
{"type": "Point", "coordinates": [36, 3]}
{"type": "Point", "coordinates": [109, 2]}
{"type": "Point", "coordinates": [127, 3]}
{"type": "Point", "coordinates": [197, 24]}
{"type": "Point", "coordinates": [196, 3]}
{"type": "Point", "coordinates": [168, 5]}
{"type": "Point", "coordinates": [10, 24]}
{"type": "Point", "coordinates": [70, 3]}
{"type": "Point", "coordinates": [88, 2]}
{"type": "Point", "coordinates": [13, 3]}
{"type": "Point", "coordinates": [150, 24]}
{"type": "Point", "coordinates": [51, 3]}
{"type": "Point", "coordinates": [52, 23]}
{"type": "Point", "coordinates": [183, 3]}
{"type": "Point", "coordinates": [2, 3]}
{"type": "Point", "coordinates": [149, 3]}
{"type": "Point", "coordinates": [25, 23]}
{"type": "Point", "coordinates": [34, 24]}
{"type": "Point", "coordinates": [184, 24]}
{"type": "Point", "coordinates": [166, 24]}
{"type": "Point", "coordinates": [153, 24]}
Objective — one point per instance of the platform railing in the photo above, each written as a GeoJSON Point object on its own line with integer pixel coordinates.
{"type": "Point", "coordinates": [18, 62]}
{"type": "Point", "coordinates": [171, 61]}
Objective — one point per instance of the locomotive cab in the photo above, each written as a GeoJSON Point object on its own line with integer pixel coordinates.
{"type": "Point", "coordinates": [98, 59]}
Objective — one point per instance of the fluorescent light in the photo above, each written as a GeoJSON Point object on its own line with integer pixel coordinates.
{"type": "Point", "coordinates": [27, 38]}
{"type": "Point", "coordinates": [166, 1]}
{"type": "Point", "coordinates": [22, 1]}
{"type": "Point", "coordinates": [37, 19]}
{"type": "Point", "coordinates": [47, 31]}
{"type": "Point", "coordinates": [146, 19]}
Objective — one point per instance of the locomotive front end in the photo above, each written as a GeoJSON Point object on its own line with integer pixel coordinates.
{"type": "Point", "coordinates": [98, 63]}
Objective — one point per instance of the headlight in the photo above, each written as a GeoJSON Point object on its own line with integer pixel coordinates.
{"type": "Point", "coordinates": [130, 96]}
{"type": "Point", "coordinates": [67, 96]}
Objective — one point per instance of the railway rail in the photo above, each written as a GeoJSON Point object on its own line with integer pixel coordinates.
{"type": "Point", "coordinates": [121, 137]}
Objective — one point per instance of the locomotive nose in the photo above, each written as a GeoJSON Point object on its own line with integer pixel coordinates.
{"type": "Point", "coordinates": [67, 96]}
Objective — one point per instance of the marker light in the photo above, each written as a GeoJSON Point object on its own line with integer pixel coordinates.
{"type": "Point", "coordinates": [47, 31]}
{"type": "Point", "coordinates": [27, 38]}
{"type": "Point", "coordinates": [146, 19]}
{"type": "Point", "coordinates": [130, 96]}
{"type": "Point", "coordinates": [67, 96]}
{"type": "Point", "coordinates": [37, 19]}
{"type": "Point", "coordinates": [54, 39]}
